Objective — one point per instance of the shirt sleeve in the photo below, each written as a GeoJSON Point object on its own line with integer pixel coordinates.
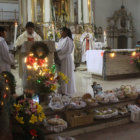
{"type": "Point", "coordinates": [66, 49]}
{"type": "Point", "coordinates": [5, 55]}
{"type": "Point", "coordinates": [19, 41]}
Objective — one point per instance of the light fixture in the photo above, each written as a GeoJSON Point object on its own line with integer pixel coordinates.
{"type": "Point", "coordinates": [112, 55]}
{"type": "Point", "coordinates": [133, 54]}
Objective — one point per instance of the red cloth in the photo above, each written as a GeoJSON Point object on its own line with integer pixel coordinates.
{"type": "Point", "coordinates": [30, 39]}
{"type": "Point", "coordinates": [87, 44]}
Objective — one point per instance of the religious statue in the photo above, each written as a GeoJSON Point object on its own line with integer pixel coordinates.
{"type": "Point", "coordinates": [87, 43]}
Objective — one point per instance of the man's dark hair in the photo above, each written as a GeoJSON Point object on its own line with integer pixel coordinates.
{"type": "Point", "coordinates": [30, 24]}
{"type": "Point", "coordinates": [2, 29]}
{"type": "Point", "coordinates": [138, 42]}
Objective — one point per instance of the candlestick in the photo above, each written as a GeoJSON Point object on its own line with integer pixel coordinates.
{"type": "Point", "coordinates": [15, 33]}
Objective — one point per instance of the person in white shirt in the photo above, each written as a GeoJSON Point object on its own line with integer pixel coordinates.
{"type": "Point", "coordinates": [6, 59]}
{"type": "Point", "coordinates": [64, 51]}
{"type": "Point", "coordinates": [87, 43]}
{"type": "Point", "coordinates": [28, 35]}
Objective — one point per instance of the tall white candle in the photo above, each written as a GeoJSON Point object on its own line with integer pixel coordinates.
{"type": "Point", "coordinates": [105, 39]}
{"type": "Point", "coordinates": [53, 30]}
{"type": "Point", "coordinates": [15, 33]}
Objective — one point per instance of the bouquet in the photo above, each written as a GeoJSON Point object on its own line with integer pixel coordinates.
{"type": "Point", "coordinates": [29, 115]}
{"type": "Point", "coordinates": [136, 59]}
{"type": "Point", "coordinates": [49, 81]}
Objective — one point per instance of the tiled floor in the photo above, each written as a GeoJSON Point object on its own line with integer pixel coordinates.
{"type": "Point", "coordinates": [84, 81]}
{"type": "Point", "coordinates": [123, 132]}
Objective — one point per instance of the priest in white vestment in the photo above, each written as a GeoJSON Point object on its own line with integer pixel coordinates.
{"type": "Point", "coordinates": [87, 43]}
{"type": "Point", "coordinates": [64, 52]}
{"type": "Point", "coordinates": [28, 35]}
{"type": "Point", "coordinates": [6, 59]}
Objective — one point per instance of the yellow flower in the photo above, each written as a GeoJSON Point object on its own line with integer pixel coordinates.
{"type": "Point", "coordinates": [29, 78]}
{"type": "Point", "coordinates": [19, 119]}
{"type": "Point", "coordinates": [39, 109]}
{"type": "Point", "coordinates": [18, 107]}
{"type": "Point", "coordinates": [53, 87]}
{"type": "Point", "coordinates": [33, 119]}
{"type": "Point", "coordinates": [43, 116]}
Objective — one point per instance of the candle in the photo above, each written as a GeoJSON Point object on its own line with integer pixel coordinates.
{"type": "Point", "coordinates": [15, 33]}
{"type": "Point", "coordinates": [105, 39]}
{"type": "Point", "coordinates": [53, 30]}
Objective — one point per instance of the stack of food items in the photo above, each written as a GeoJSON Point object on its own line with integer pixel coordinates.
{"type": "Point", "coordinates": [105, 113]}
{"type": "Point", "coordinates": [77, 103]}
{"type": "Point", "coordinates": [126, 92]}
{"type": "Point", "coordinates": [89, 100]}
{"type": "Point", "coordinates": [56, 124]}
{"type": "Point", "coordinates": [59, 102]}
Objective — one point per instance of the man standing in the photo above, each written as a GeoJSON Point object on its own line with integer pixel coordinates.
{"type": "Point", "coordinates": [28, 35]}
{"type": "Point", "coordinates": [6, 59]}
{"type": "Point", "coordinates": [87, 43]}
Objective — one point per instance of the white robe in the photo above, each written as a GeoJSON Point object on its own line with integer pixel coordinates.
{"type": "Point", "coordinates": [83, 43]}
{"type": "Point", "coordinates": [64, 51]}
{"type": "Point", "coordinates": [24, 37]}
{"type": "Point", "coordinates": [6, 59]}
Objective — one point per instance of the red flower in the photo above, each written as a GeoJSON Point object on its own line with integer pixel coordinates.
{"type": "Point", "coordinates": [41, 62]}
{"type": "Point", "coordinates": [33, 132]}
{"type": "Point", "coordinates": [30, 60]}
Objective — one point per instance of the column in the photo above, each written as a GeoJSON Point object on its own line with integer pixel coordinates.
{"type": "Point", "coordinates": [85, 12]}
{"type": "Point", "coordinates": [71, 11]}
{"type": "Point", "coordinates": [20, 12]}
{"type": "Point", "coordinates": [47, 11]}
{"type": "Point", "coordinates": [24, 11]}
{"type": "Point", "coordinates": [79, 12]}
{"type": "Point", "coordinates": [29, 10]}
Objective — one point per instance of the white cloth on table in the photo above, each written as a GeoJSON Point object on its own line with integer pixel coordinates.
{"type": "Point", "coordinates": [6, 59]}
{"type": "Point", "coordinates": [94, 60]}
{"type": "Point", "coordinates": [83, 42]}
{"type": "Point", "coordinates": [64, 51]}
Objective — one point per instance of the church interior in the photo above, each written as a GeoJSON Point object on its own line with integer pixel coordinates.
{"type": "Point", "coordinates": [100, 74]}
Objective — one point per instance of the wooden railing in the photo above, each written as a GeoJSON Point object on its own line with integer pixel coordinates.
{"type": "Point", "coordinates": [8, 15]}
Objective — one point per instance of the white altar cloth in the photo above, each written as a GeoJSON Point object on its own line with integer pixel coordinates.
{"type": "Point", "coordinates": [94, 60]}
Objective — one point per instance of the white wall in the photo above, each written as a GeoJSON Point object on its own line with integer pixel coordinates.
{"type": "Point", "coordinates": [8, 7]}
{"type": "Point", "coordinates": [106, 8]}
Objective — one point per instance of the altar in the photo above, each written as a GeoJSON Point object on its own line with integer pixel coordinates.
{"type": "Point", "coordinates": [112, 64]}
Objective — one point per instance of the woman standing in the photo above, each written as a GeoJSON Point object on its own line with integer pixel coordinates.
{"type": "Point", "coordinates": [64, 50]}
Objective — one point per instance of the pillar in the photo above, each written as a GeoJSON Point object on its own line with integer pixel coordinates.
{"type": "Point", "coordinates": [71, 11]}
{"type": "Point", "coordinates": [79, 12]}
{"type": "Point", "coordinates": [20, 12]}
{"type": "Point", "coordinates": [29, 10]}
{"type": "Point", "coordinates": [47, 11]}
{"type": "Point", "coordinates": [24, 12]}
{"type": "Point", "coordinates": [85, 12]}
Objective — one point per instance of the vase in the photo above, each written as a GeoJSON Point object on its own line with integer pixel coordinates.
{"type": "Point", "coordinates": [43, 98]}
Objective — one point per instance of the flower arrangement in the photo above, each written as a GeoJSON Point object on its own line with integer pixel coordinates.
{"type": "Point", "coordinates": [49, 81]}
{"type": "Point", "coordinates": [29, 115]}
{"type": "Point", "coordinates": [57, 35]}
{"type": "Point", "coordinates": [135, 58]}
